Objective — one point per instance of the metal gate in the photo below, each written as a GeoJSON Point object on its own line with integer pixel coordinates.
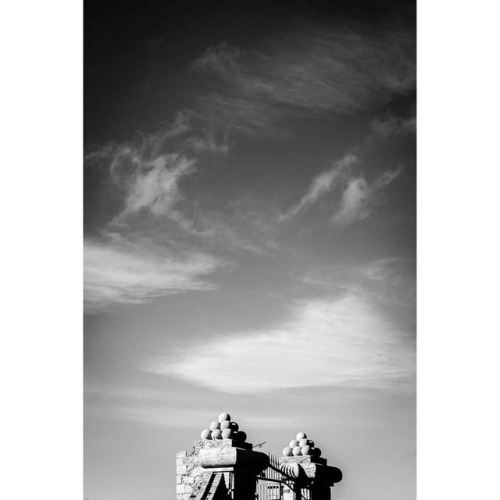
{"type": "Point", "coordinates": [274, 484]}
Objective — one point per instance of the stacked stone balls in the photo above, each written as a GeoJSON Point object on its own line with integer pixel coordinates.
{"type": "Point", "coordinates": [224, 428]}
{"type": "Point", "coordinates": [301, 446]}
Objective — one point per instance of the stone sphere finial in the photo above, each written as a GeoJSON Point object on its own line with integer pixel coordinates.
{"type": "Point", "coordinates": [214, 425]}
{"type": "Point", "coordinates": [206, 434]}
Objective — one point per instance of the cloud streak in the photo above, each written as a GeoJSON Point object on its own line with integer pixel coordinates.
{"type": "Point", "coordinates": [151, 179]}
{"type": "Point", "coordinates": [321, 185]}
{"type": "Point", "coordinates": [343, 342]}
{"type": "Point", "coordinates": [341, 71]}
{"type": "Point", "coordinates": [154, 186]}
{"type": "Point", "coordinates": [394, 125]}
{"type": "Point", "coordinates": [139, 183]}
{"type": "Point", "coordinates": [146, 173]}
{"type": "Point", "coordinates": [117, 272]}
{"type": "Point", "coordinates": [359, 197]}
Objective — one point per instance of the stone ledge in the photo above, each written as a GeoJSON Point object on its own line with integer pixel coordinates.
{"type": "Point", "coordinates": [301, 459]}
{"type": "Point", "coordinates": [222, 443]}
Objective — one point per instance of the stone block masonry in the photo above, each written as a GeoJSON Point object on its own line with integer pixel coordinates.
{"type": "Point", "coordinates": [235, 462]}
{"type": "Point", "coordinates": [189, 474]}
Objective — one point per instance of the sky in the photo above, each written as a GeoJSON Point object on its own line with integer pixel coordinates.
{"type": "Point", "coordinates": [249, 236]}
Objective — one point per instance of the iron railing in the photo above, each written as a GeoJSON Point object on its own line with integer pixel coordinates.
{"type": "Point", "coordinates": [273, 483]}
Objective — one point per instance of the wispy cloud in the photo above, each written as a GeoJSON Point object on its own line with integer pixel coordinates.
{"type": "Point", "coordinates": [388, 283]}
{"type": "Point", "coordinates": [208, 143]}
{"type": "Point", "coordinates": [221, 59]}
{"type": "Point", "coordinates": [337, 342]}
{"type": "Point", "coordinates": [340, 71]}
{"type": "Point", "coordinates": [146, 147]}
{"type": "Point", "coordinates": [148, 199]}
{"type": "Point", "coordinates": [394, 125]}
{"type": "Point", "coordinates": [142, 249]}
{"type": "Point", "coordinates": [146, 173]}
{"type": "Point", "coordinates": [359, 198]}
{"type": "Point", "coordinates": [117, 272]}
{"type": "Point", "coordinates": [358, 195]}
{"type": "Point", "coordinates": [230, 110]}
{"type": "Point", "coordinates": [321, 185]}
{"type": "Point", "coordinates": [154, 186]}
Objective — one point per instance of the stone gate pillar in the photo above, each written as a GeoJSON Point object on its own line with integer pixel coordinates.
{"type": "Point", "coordinates": [312, 477]}
{"type": "Point", "coordinates": [219, 468]}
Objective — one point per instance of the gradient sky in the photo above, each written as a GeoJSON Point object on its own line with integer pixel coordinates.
{"type": "Point", "coordinates": [249, 236]}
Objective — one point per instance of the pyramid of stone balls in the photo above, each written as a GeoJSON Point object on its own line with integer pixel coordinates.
{"type": "Point", "coordinates": [224, 428]}
{"type": "Point", "coordinates": [301, 446]}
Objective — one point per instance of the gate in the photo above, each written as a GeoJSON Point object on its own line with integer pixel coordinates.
{"type": "Point", "coordinates": [275, 484]}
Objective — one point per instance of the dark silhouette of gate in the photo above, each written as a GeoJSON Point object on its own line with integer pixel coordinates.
{"type": "Point", "coordinates": [274, 484]}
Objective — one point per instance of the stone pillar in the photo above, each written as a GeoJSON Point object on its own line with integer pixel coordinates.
{"type": "Point", "coordinates": [235, 461]}
{"type": "Point", "coordinates": [189, 474]}
{"type": "Point", "coordinates": [312, 474]}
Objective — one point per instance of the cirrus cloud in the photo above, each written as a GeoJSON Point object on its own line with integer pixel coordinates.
{"type": "Point", "coordinates": [339, 342]}
{"type": "Point", "coordinates": [359, 197]}
{"type": "Point", "coordinates": [341, 71]}
{"type": "Point", "coordinates": [117, 272]}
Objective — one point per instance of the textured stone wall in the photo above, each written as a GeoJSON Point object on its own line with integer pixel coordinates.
{"type": "Point", "coordinates": [189, 473]}
{"type": "Point", "coordinates": [235, 461]}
